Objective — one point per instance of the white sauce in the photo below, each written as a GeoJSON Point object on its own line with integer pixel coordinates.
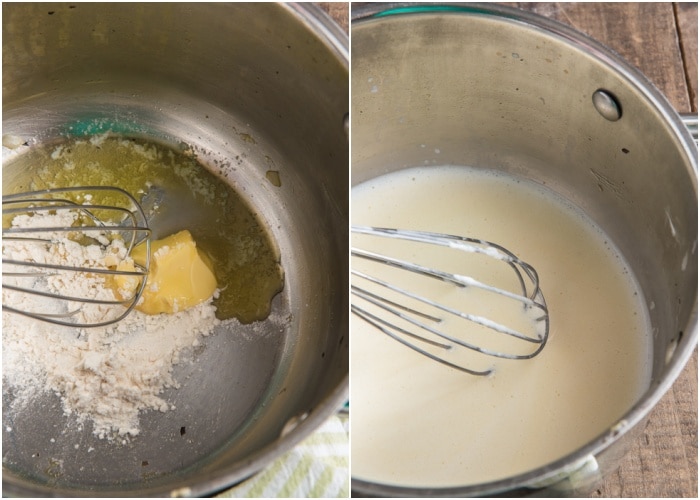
{"type": "Point", "coordinates": [418, 423]}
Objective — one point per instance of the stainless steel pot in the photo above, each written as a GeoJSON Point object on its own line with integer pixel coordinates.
{"type": "Point", "coordinates": [502, 89]}
{"type": "Point", "coordinates": [252, 87]}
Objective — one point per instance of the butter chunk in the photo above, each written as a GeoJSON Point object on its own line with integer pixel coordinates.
{"type": "Point", "coordinates": [179, 277]}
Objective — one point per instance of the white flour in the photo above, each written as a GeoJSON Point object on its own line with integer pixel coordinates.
{"type": "Point", "coordinates": [106, 375]}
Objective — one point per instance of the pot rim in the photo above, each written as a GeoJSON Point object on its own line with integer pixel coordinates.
{"type": "Point", "coordinates": [319, 22]}
{"type": "Point", "coordinates": [640, 411]}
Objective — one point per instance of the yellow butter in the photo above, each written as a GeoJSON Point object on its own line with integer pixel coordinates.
{"type": "Point", "coordinates": [126, 285]}
{"type": "Point", "coordinates": [179, 277]}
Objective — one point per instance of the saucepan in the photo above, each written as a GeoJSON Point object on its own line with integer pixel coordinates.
{"type": "Point", "coordinates": [498, 88]}
{"type": "Point", "coordinates": [255, 88]}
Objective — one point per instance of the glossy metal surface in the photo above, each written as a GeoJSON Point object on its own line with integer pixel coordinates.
{"type": "Point", "coordinates": [412, 317]}
{"type": "Point", "coordinates": [498, 88]}
{"type": "Point", "coordinates": [250, 88]}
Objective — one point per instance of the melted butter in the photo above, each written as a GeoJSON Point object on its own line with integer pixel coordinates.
{"type": "Point", "coordinates": [179, 276]}
{"type": "Point", "coordinates": [177, 193]}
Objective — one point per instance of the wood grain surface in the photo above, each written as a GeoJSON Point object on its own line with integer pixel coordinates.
{"type": "Point", "coordinates": [661, 40]}
{"type": "Point", "coordinates": [339, 11]}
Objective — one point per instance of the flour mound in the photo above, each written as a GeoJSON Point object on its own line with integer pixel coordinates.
{"type": "Point", "coordinates": [106, 375]}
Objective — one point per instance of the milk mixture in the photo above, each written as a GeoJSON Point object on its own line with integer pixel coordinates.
{"type": "Point", "coordinates": [418, 423]}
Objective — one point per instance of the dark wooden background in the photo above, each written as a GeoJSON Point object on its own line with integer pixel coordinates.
{"type": "Point", "coordinates": [660, 39]}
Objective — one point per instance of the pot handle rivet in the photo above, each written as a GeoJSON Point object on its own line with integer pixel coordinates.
{"type": "Point", "coordinates": [607, 105]}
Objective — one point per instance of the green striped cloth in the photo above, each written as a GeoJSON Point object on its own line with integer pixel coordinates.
{"type": "Point", "coordinates": [318, 467]}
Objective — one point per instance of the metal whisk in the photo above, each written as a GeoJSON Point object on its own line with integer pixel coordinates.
{"type": "Point", "coordinates": [435, 312]}
{"type": "Point", "coordinates": [62, 250]}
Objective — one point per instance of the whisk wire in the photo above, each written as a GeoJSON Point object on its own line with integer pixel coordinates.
{"type": "Point", "coordinates": [389, 329]}
{"type": "Point", "coordinates": [530, 297]}
{"type": "Point", "coordinates": [101, 223]}
{"type": "Point", "coordinates": [27, 204]}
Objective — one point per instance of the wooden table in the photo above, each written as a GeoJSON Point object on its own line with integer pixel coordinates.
{"type": "Point", "coordinates": [661, 40]}
{"type": "Point", "coordinates": [339, 11]}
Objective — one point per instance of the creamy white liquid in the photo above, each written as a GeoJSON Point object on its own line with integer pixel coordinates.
{"type": "Point", "coordinates": [418, 423]}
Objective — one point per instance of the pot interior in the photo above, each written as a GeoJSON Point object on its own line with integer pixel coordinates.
{"type": "Point", "coordinates": [258, 97]}
{"type": "Point", "coordinates": [493, 89]}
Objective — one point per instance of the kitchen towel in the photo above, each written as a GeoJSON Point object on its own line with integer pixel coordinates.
{"type": "Point", "coordinates": [318, 467]}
